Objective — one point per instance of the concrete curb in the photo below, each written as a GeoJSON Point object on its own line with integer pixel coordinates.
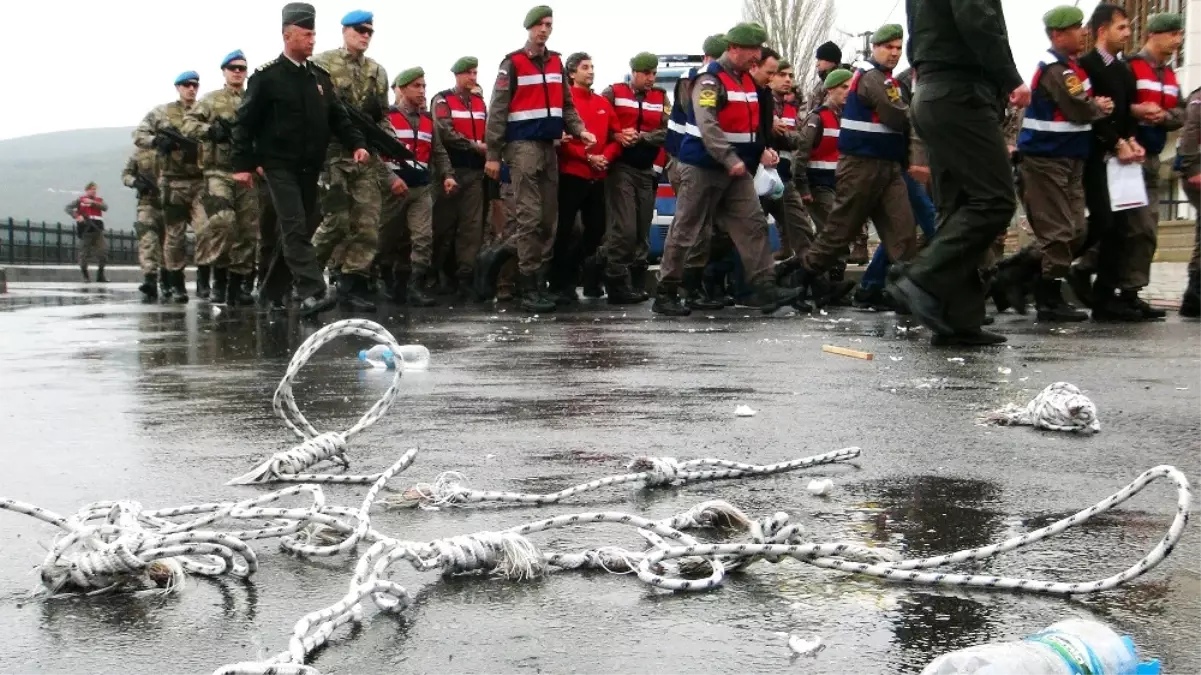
{"type": "Point", "coordinates": [70, 273]}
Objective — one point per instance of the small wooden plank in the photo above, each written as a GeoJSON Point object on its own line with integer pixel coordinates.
{"type": "Point", "coordinates": [843, 351]}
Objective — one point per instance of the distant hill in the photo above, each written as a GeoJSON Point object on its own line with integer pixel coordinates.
{"type": "Point", "coordinates": [40, 174]}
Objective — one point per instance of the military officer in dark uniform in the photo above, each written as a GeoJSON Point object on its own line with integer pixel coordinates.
{"type": "Point", "coordinates": [283, 127]}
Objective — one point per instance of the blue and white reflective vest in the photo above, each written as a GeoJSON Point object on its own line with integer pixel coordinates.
{"type": "Point", "coordinates": [677, 119]}
{"type": "Point", "coordinates": [738, 117]}
{"type": "Point", "coordinates": [1045, 131]}
{"type": "Point", "coordinates": [861, 133]}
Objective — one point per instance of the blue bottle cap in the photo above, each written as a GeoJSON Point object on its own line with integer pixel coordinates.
{"type": "Point", "coordinates": [362, 354]}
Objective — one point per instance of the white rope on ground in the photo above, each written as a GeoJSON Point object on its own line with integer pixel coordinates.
{"type": "Point", "coordinates": [288, 466]}
{"type": "Point", "coordinates": [510, 554]}
{"type": "Point", "coordinates": [1059, 407]}
{"type": "Point", "coordinates": [110, 546]}
{"type": "Point", "coordinates": [448, 489]}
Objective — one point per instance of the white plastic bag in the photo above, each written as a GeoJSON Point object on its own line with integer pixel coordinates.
{"type": "Point", "coordinates": [768, 183]}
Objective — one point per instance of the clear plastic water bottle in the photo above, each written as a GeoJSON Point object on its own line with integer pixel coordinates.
{"type": "Point", "coordinates": [415, 357]}
{"type": "Point", "coordinates": [379, 356]}
{"type": "Point", "coordinates": [1065, 648]}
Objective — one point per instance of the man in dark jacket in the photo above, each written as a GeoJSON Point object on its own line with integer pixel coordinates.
{"type": "Point", "coordinates": [283, 128]}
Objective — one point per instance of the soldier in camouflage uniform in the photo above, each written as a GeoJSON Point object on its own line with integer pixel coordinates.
{"type": "Point", "coordinates": [232, 208]}
{"type": "Point", "coordinates": [141, 174]}
{"type": "Point", "coordinates": [88, 213]}
{"type": "Point", "coordinates": [181, 184]}
{"type": "Point", "coordinates": [351, 201]}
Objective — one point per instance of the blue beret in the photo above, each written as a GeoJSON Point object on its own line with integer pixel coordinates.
{"type": "Point", "coordinates": [357, 17]}
{"type": "Point", "coordinates": [232, 56]}
{"type": "Point", "coordinates": [187, 76]}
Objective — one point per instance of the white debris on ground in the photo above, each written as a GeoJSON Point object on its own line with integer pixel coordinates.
{"type": "Point", "coordinates": [808, 647]}
{"type": "Point", "coordinates": [1059, 407]}
{"type": "Point", "coordinates": [744, 411]}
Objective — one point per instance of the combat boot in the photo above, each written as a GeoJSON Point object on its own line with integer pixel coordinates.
{"type": "Point", "coordinates": [840, 289]}
{"type": "Point", "coordinates": [149, 287]}
{"type": "Point", "coordinates": [447, 285]}
{"type": "Point", "coordinates": [416, 293]}
{"type": "Point", "coordinates": [387, 283]}
{"type": "Point", "coordinates": [532, 299]}
{"type": "Point", "coordinates": [400, 287]}
{"type": "Point", "coordinates": [619, 291]}
{"type": "Point", "coordinates": [638, 281]}
{"type": "Point", "coordinates": [1080, 280]}
{"type": "Point", "coordinates": [693, 294]}
{"type": "Point", "coordinates": [164, 283]}
{"type": "Point", "coordinates": [220, 285]}
{"type": "Point", "coordinates": [203, 289]}
{"type": "Point", "coordinates": [565, 294]}
{"type": "Point", "coordinates": [785, 271]}
{"type": "Point", "coordinates": [179, 289]}
{"type": "Point", "coordinates": [713, 284]}
{"type": "Point", "coordinates": [466, 291]}
{"type": "Point", "coordinates": [87, 278]}
{"type": "Point", "coordinates": [488, 265]}
{"type": "Point", "coordinates": [1108, 307]}
{"type": "Point", "coordinates": [812, 285]}
{"type": "Point", "coordinates": [667, 300]}
{"type": "Point", "coordinates": [100, 274]}
{"type": "Point", "coordinates": [771, 297]}
{"type": "Point", "coordinates": [544, 294]}
{"type": "Point", "coordinates": [592, 275]}
{"type": "Point", "coordinates": [1190, 303]}
{"type": "Point", "coordinates": [352, 293]}
{"type": "Point", "coordinates": [1048, 297]}
{"type": "Point", "coordinates": [1146, 311]}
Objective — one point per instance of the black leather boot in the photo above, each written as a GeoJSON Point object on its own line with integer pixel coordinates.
{"type": "Point", "coordinates": [1146, 311]}
{"type": "Point", "coordinates": [619, 291]}
{"type": "Point", "coordinates": [488, 265]}
{"type": "Point", "coordinates": [179, 288]}
{"type": "Point", "coordinates": [565, 294]}
{"type": "Point", "coordinates": [1080, 280]}
{"type": "Point", "coordinates": [352, 293]}
{"type": "Point", "coordinates": [713, 284]}
{"type": "Point", "coordinates": [693, 293]}
{"type": "Point", "coordinates": [203, 289]}
{"type": "Point", "coordinates": [638, 281]}
{"type": "Point", "coordinates": [149, 287]}
{"type": "Point", "coordinates": [164, 283]}
{"type": "Point", "coordinates": [1190, 303]}
{"type": "Point", "coordinates": [1108, 307]}
{"type": "Point", "coordinates": [771, 297]}
{"type": "Point", "coordinates": [417, 296]}
{"type": "Point", "coordinates": [83, 269]}
{"type": "Point", "coordinates": [220, 285]}
{"type": "Point", "coordinates": [1051, 306]}
{"type": "Point", "coordinates": [532, 297]}
{"type": "Point", "coordinates": [592, 276]}
{"type": "Point", "coordinates": [400, 286]}
{"type": "Point", "coordinates": [100, 274]}
{"type": "Point", "coordinates": [667, 300]}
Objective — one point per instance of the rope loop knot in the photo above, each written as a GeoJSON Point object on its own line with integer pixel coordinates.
{"type": "Point", "coordinates": [659, 470]}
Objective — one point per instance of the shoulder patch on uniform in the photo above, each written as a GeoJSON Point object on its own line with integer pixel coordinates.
{"type": "Point", "coordinates": [707, 98]}
{"type": "Point", "coordinates": [1075, 86]}
{"type": "Point", "coordinates": [894, 93]}
{"type": "Point", "coordinates": [667, 107]}
{"type": "Point", "coordinates": [267, 65]}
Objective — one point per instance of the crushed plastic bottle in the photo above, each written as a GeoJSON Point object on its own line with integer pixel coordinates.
{"type": "Point", "coordinates": [1065, 648]}
{"type": "Point", "coordinates": [414, 357]}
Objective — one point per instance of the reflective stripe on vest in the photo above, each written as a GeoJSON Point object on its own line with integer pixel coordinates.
{"type": "Point", "coordinates": [536, 108]}
{"type": "Point", "coordinates": [677, 119]}
{"type": "Point", "coordinates": [470, 120]}
{"type": "Point", "coordinates": [864, 135]}
{"type": "Point", "coordinates": [660, 161]}
{"type": "Point", "coordinates": [823, 159]}
{"type": "Point", "coordinates": [1164, 92]}
{"type": "Point", "coordinates": [1045, 130]}
{"type": "Point", "coordinates": [642, 115]}
{"type": "Point", "coordinates": [421, 142]}
{"type": "Point", "coordinates": [738, 118]}
{"type": "Point", "coordinates": [787, 116]}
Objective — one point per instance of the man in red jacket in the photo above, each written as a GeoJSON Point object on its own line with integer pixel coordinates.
{"type": "Point", "coordinates": [582, 174]}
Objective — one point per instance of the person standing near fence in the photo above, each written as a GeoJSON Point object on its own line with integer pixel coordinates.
{"type": "Point", "coordinates": [88, 212]}
{"type": "Point", "coordinates": [141, 174]}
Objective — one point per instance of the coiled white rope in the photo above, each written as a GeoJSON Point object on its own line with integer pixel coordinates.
{"type": "Point", "coordinates": [509, 554]}
{"type": "Point", "coordinates": [448, 488]}
{"type": "Point", "coordinates": [118, 545]}
{"type": "Point", "coordinates": [289, 465]}
{"type": "Point", "coordinates": [1059, 407]}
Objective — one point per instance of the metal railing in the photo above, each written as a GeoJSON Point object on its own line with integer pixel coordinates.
{"type": "Point", "coordinates": [30, 243]}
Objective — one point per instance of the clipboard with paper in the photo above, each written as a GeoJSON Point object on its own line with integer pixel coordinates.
{"type": "Point", "coordinates": [1127, 190]}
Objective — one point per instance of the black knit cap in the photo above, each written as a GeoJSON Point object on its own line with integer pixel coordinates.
{"type": "Point", "coordinates": [829, 52]}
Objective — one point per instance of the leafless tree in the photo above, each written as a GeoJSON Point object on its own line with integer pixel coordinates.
{"type": "Point", "coordinates": [795, 28]}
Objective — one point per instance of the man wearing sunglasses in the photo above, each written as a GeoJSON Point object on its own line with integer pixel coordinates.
{"type": "Point", "coordinates": [232, 209]}
{"type": "Point", "coordinates": [351, 199]}
{"type": "Point", "coordinates": [181, 182]}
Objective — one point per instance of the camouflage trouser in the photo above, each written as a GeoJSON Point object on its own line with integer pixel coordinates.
{"type": "Point", "coordinates": [149, 227]}
{"type": "Point", "coordinates": [406, 238]}
{"type": "Point", "coordinates": [232, 229]}
{"type": "Point", "coordinates": [181, 205]}
{"type": "Point", "coordinates": [93, 246]}
{"type": "Point", "coordinates": [351, 203]}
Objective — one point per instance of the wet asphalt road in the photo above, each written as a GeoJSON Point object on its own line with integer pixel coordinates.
{"type": "Point", "coordinates": [106, 398]}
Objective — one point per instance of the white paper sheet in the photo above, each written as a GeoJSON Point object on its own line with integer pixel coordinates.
{"type": "Point", "coordinates": [1126, 187]}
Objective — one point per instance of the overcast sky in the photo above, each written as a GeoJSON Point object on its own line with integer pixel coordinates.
{"type": "Point", "coordinates": [106, 64]}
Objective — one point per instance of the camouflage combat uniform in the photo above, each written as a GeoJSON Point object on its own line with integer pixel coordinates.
{"type": "Point", "coordinates": [181, 185]}
{"type": "Point", "coordinates": [149, 225]}
{"type": "Point", "coordinates": [232, 208]}
{"type": "Point", "coordinates": [351, 200]}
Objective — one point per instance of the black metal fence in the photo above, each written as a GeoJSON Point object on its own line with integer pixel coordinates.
{"type": "Point", "coordinates": [30, 243]}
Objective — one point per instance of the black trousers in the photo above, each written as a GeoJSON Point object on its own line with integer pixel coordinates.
{"type": "Point", "coordinates": [585, 198]}
{"type": "Point", "coordinates": [294, 196]}
{"type": "Point", "coordinates": [960, 122]}
{"type": "Point", "coordinates": [1106, 228]}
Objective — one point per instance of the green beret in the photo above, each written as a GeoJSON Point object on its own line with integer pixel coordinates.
{"type": "Point", "coordinates": [465, 64]}
{"type": "Point", "coordinates": [537, 14]}
{"type": "Point", "coordinates": [747, 35]}
{"type": "Point", "coordinates": [644, 62]}
{"type": "Point", "coordinates": [837, 77]}
{"type": "Point", "coordinates": [1063, 16]}
{"type": "Point", "coordinates": [1165, 23]}
{"type": "Point", "coordinates": [406, 77]}
{"type": "Point", "coordinates": [783, 65]}
{"type": "Point", "coordinates": [715, 45]}
{"type": "Point", "coordinates": [887, 33]}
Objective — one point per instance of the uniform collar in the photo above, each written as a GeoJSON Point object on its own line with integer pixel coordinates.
{"type": "Point", "coordinates": [727, 65]}
{"type": "Point", "coordinates": [234, 90]}
{"type": "Point", "coordinates": [1150, 58]}
{"type": "Point", "coordinates": [877, 66]}
{"type": "Point", "coordinates": [403, 106]}
{"type": "Point", "coordinates": [299, 64]}
{"type": "Point", "coordinates": [351, 56]}
{"type": "Point", "coordinates": [533, 51]}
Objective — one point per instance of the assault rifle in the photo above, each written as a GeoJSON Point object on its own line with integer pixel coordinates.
{"type": "Point", "coordinates": [378, 140]}
{"type": "Point", "coordinates": [168, 139]}
{"type": "Point", "coordinates": [144, 186]}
